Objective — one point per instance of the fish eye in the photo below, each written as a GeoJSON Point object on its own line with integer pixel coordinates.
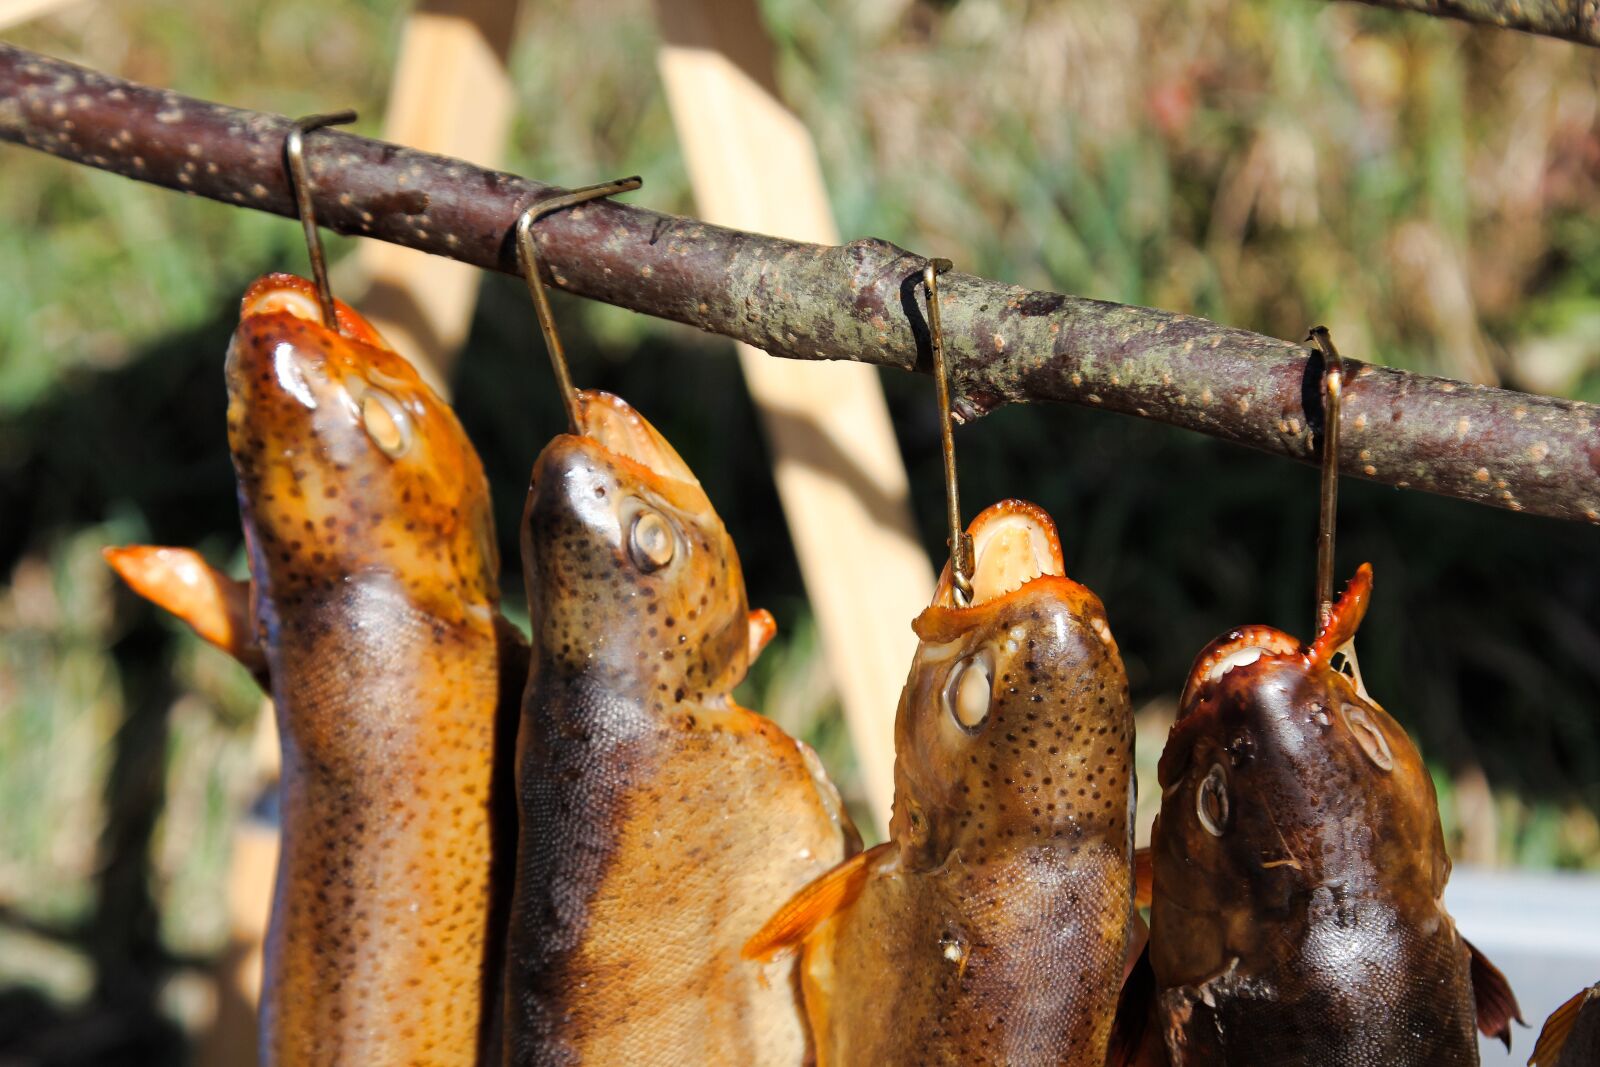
{"type": "Point", "coordinates": [650, 541]}
{"type": "Point", "coordinates": [1211, 801]}
{"type": "Point", "coordinates": [1368, 736]}
{"type": "Point", "coordinates": [386, 422]}
{"type": "Point", "coordinates": [968, 691]}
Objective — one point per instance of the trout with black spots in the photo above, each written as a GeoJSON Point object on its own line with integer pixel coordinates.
{"type": "Point", "coordinates": [993, 926]}
{"type": "Point", "coordinates": [1299, 869]}
{"type": "Point", "coordinates": [661, 822]}
{"type": "Point", "coordinates": [372, 615]}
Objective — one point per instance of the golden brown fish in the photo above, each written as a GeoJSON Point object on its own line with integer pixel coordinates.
{"type": "Point", "coordinates": [993, 926]}
{"type": "Point", "coordinates": [374, 600]}
{"type": "Point", "coordinates": [1299, 868]}
{"type": "Point", "coordinates": [1571, 1036]}
{"type": "Point", "coordinates": [661, 822]}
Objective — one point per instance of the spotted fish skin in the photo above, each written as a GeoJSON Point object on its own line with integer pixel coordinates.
{"type": "Point", "coordinates": [1299, 866]}
{"type": "Point", "coordinates": [661, 822]}
{"type": "Point", "coordinates": [992, 928]}
{"type": "Point", "coordinates": [366, 515]}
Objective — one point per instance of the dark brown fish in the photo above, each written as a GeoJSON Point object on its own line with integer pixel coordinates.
{"type": "Point", "coordinates": [1571, 1036]}
{"type": "Point", "coordinates": [1299, 868]}
{"type": "Point", "coordinates": [374, 619]}
{"type": "Point", "coordinates": [993, 926]}
{"type": "Point", "coordinates": [661, 822]}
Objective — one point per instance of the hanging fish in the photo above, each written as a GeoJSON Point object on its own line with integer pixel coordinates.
{"type": "Point", "coordinates": [661, 822]}
{"type": "Point", "coordinates": [1299, 867]}
{"type": "Point", "coordinates": [993, 926]}
{"type": "Point", "coordinates": [1571, 1036]}
{"type": "Point", "coordinates": [372, 616]}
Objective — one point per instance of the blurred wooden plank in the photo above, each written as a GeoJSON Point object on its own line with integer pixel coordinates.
{"type": "Point", "coordinates": [451, 94]}
{"type": "Point", "coordinates": [16, 12]}
{"type": "Point", "coordinates": [754, 165]}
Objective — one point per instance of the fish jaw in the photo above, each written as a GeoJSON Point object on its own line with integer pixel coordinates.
{"type": "Point", "coordinates": [1014, 726]}
{"type": "Point", "coordinates": [623, 552]}
{"type": "Point", "coordinates": [347, 461]}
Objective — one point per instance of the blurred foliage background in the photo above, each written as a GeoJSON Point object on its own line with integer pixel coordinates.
{"type": "Point", "coordinates": [1423, 188]}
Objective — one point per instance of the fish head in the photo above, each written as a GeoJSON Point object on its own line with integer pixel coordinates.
{"type": "Point", "coordinates": [1013, 726]}
{"type": "Point", "coordinates": [1282, 778]}
{"type": "Point", "coordinates": [347, 461]}
{"type": "Point", "coordinates": [630, 571]}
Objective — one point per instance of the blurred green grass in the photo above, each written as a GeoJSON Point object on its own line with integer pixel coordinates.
{"type": "Point", "coordinates": [1421, 187]}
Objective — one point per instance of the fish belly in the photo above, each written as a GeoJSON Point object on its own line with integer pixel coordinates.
{"type": "Point", "coordinates": [1013, 962]}
{"type": "Point", "coordinates": [645, 866]}
{"type": "Point", "coordinates": [1365, 990]}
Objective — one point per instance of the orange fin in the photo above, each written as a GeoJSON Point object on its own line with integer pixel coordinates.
{"type": "Point", "coordinates": [1144, 878]}
{"type": "Point", "coordinates": [1348, 611]}
{"type": "Point", "coordinates": [1496, 1004]}
{"type": "Point", "coordinates": [813, 905]}
{"type": "Point", "coordinates": [215, 606]}
{"type": "Point", "coordinates": [763, 628]}
{"type": "Point", "coordinates": [1131, 1031]}
{"type": "Point", "coordinates": [1557, 1028]}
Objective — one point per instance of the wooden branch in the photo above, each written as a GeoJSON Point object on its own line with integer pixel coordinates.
{"type": "Point", "coordinates": [858, 301]}
{"type": "Point", "coordinates": [1570, 20]}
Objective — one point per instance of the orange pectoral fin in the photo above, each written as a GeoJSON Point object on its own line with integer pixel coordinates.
{"type": "Point", "coordinates": [1496, 1004]}
{"type": "Point", "coordinates": [813, 905]}
{"type": "Point", "coordinates": [1144, 878]}
{"type": "Point", "coordinates": [763, 628]}
{"type": "Point", "coordinates": [213, 605]}
{"type": "Point", "coordinates": [1557, 1028]}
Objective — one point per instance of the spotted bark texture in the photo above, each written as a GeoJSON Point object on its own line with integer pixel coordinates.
{"type": "Point", "coordinates": [1570, 20]}
{"type": "Point", "coordinates": [859, 301]}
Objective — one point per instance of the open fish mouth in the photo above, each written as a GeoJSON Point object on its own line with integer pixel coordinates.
{"type": "Point", "coordinates": [614, 425]}
{"type": "Point", "coordinates": [1234, 650]}
{"type": "Point", "coordinates": [297, 296]}
{"type": "Point", "coordinates": [1013, 542]}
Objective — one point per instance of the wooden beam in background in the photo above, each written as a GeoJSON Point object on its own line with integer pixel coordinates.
{"type": "Point", "coordinates": [753, 165]}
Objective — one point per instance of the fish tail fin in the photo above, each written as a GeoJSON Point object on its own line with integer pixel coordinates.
{"type": "Point", "coordinates": [213, 605]}
{"type": "Point", "coordinates": [1132, 1035]}
{"type": "Point", "coordinates": [813, 905]}
{"type": "Point", "coordinates": [1345, 619]}
{"type": "Point", "coordinates": [1557, 1028]}
{"type": "Point", "coordinates": [1144, 878]}
{"type": "Point", "coordinates": [1491, 993]}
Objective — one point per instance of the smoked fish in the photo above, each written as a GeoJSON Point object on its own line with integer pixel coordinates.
{"type": "Point", "coordinates": [372, 617]}
{"type": "Point", "coordinates": [660, 821]}
{"type": "Point", "coordinates": [1571, 1036]}
{"type": "Point", "coordinates": [1298, 871]}
{"type": "Point", "coordinates": [993, 926]}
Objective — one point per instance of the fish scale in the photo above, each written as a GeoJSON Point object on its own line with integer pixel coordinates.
{"type": "Point", "coordinates": [994, 925]}
{"type": "Point", "coordinates": [1298, 871]}
{"type": "Point", "coordinates": [661, 822]}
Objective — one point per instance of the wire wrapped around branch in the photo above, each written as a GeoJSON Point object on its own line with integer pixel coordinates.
{"type": "Point", "coordinates": [857, 301]}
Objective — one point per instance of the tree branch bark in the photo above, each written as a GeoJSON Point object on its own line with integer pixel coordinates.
{"type": "Point", "coordinates": [859, 301]}
{"type": "Point", "coordinates": [1570, 20]}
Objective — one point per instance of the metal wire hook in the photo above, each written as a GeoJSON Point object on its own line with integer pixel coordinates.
{"type": "Point", "coordinates": [294, 152]}
{"type": "Point", "coordinates": [960, 540]}
{"type": "Point", "coordinates": [528, 260]}
{"type": "Point", "coordinates": [1332, 399]}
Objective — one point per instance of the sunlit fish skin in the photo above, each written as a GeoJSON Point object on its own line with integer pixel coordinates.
{"type": "Point", "coordinates": [374, 572]}
{"type": "Point", "coordinates": [661, 822]}
{"type": "Point", "coordinates": [993, 926]}
{"type": "Point", "coordinates": [1299, 867]}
